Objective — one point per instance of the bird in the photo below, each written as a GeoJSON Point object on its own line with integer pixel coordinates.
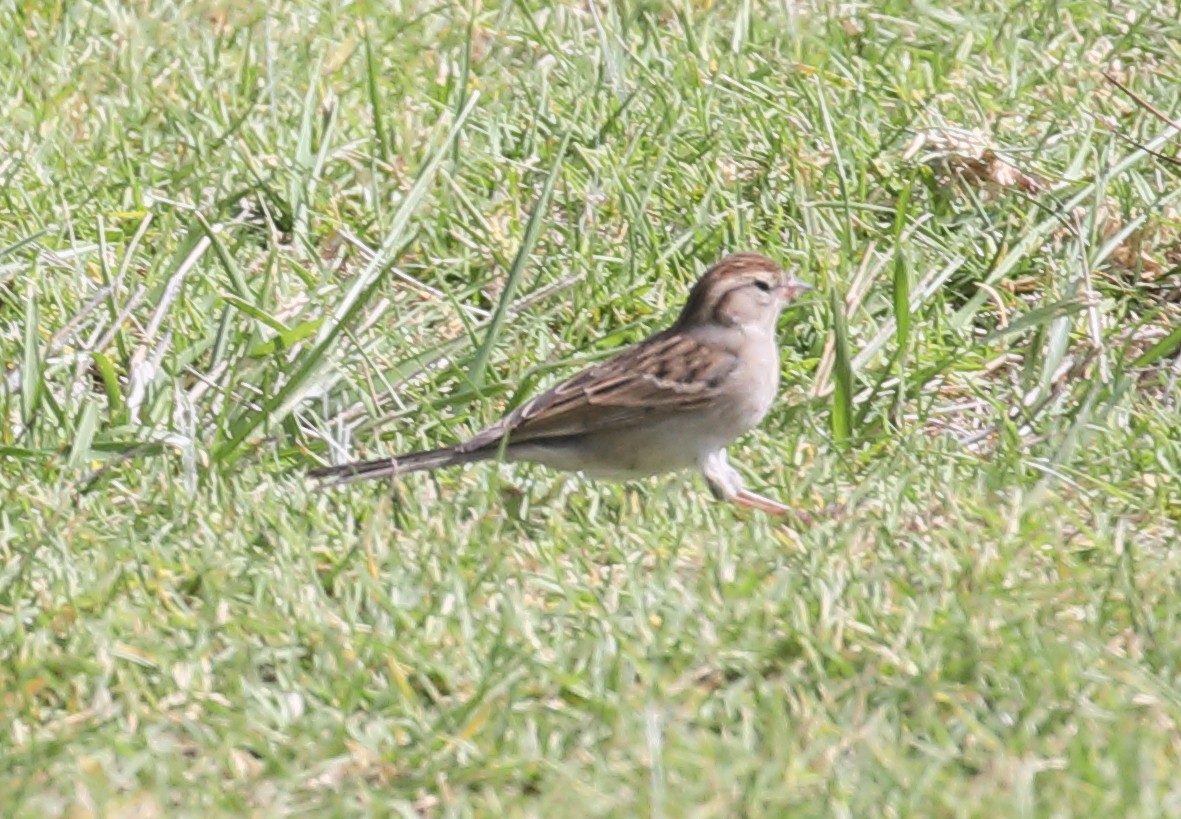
{"type": "Point", "coordinates": [670, 403]}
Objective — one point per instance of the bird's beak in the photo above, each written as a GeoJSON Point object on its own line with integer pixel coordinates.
{"type": "Point", "coordinates": [794, 288]}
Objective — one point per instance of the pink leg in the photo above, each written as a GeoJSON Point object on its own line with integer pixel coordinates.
{"type": "Point", "coordinates": [752, 500]}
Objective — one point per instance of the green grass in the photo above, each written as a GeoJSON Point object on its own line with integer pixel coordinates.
{"type": "Point", "coordinates": [234, 246]}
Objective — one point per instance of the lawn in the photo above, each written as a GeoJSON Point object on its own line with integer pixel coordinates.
{"type": "Point", "coordinates": [237, 243]}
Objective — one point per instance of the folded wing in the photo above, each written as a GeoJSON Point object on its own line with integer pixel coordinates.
{"type": "Point", "coordinates": [667, 374]}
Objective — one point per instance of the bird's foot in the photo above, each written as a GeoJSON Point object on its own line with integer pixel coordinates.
{"type": "Point", "coordinates": [753, 500]}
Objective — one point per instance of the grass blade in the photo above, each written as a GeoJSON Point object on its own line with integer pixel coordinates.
{"type": "Point", "coordinates": [83, 435]}
{"type": "Point", "coordinates": [902, 279]}
{"type": "Point", "coordinates": [106, 371]}
{"type": "Point", "coordinates": [476, 372]}
{"type": "Point", "coordinates": [24, 242]}
{"type": "Point", "coordinates": [842, 395]}
{"type": "Point", "coordinates": [31, 383]}
{"type": "Point", "coordinates": [372, 81]}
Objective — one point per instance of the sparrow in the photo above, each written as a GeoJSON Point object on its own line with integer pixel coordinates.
{"type": "Point", "coordinates": [673, 402]}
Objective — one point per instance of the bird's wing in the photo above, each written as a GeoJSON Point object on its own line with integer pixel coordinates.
{"type": "Point", "coordinates": [669, 373]}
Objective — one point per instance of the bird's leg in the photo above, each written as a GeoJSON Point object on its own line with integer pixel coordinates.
{"type": "Point", "coordinates": [726, 484]}
{"type": "Point", "coordinates": [753, 500]}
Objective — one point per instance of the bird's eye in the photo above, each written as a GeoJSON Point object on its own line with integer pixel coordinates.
{"type": "Point", "coordinates": [763, 285]}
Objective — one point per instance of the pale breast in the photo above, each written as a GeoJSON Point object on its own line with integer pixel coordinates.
{"type": "Point", "coordinates": [668, 442]}
{"type": "Point", "coordinates": [755, 386]}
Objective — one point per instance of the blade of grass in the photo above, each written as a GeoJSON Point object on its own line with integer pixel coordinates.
{"type": "Point", "coordinates": [286, 339]}
{"type": "Point", "coordinates": [32, 383]}
{"type": "Point", "coordinates": [839, 163]}
{"type": "Point", "coordinates": [300, 187]}
{"type": "Point", "coordinates": [116, 311]}
{"type": "Point", "coordinates": [110, 379]}
{"type": "Point", "coordinates": [901, 281]}
{"type": "Point", "coordinates": [17, 245]}
{"type": "Point", "coordinates": [256, 313]}
{"type": "Point", "coordinates": [842, 395]}
{"type": "Point", "coordinates": [1038, 317]}
{"type": "Point", "coordinates": [380, 147]}
{"type": "Point", "coordinates": [222, 253]}
{"type": "Point", "coordinates": [532, 230]}
{"type": "Point", "coordinates": [83, 432]}
{"type": "Point", "coordinates": [901, 304]}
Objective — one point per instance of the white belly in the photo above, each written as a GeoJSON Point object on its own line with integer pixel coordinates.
{"type": "Point", "coordinates": [677, 442]}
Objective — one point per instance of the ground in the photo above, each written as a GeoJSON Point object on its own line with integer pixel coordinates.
{"type": "Point", "coordinates": [238, 243]}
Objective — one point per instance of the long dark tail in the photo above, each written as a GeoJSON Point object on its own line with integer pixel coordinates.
{"type": "Point", "coordinates": [389, 467]}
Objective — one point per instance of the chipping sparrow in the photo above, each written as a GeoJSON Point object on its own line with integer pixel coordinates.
{"type": "Point", "coordinates": [672, 402]}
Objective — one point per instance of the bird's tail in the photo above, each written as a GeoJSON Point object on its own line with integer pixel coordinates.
{"type": "Point", "coordinates": [390, 467]}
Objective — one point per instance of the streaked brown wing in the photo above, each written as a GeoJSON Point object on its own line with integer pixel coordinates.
{"type": "Point", "coordinates": [667, 373]}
